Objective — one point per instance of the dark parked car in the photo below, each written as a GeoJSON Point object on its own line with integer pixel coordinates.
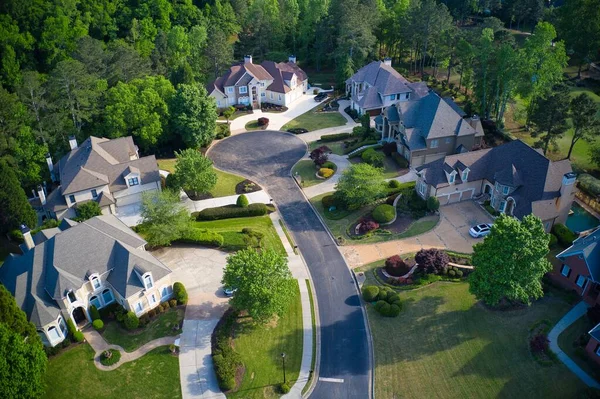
{"type": "Point", "coordinates": [320, 97]}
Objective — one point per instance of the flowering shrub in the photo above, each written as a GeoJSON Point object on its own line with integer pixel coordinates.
{"type": "Point", "coordinates": [367, 225]}
{"type": "Point", "coordinates": [263, 121]}
{"type": "Point", "coordinates": [396, 267]}
{"type": "Point", "coordinates": [325, 172]}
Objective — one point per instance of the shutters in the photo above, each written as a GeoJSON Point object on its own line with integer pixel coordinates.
{"type": "Point", "coordinates": [569, 273]}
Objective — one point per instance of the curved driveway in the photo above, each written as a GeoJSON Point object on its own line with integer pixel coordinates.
{"type": "Point", "coordinates": [267, 157]}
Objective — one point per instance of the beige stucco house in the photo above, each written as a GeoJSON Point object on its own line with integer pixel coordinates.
{"type": "Point", "coordinates": [517, 180]}
{"type": "Point", "coordinates": [65, 270]}
{"type": "Point", "coordinates": [109, 172]}
{"type": "Point", "coordinates": [252, 84]}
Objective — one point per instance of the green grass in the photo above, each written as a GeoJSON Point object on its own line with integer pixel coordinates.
{"type": "Point", "coordinates": [72, 374]}
{"type": "Point", "coordinates": [160, 326]}
{"type": "Point", "coordinates": [231, 230]}
{"type": "Point", "coordinates": [313, 120]}
{"type": "Point", "coordinates": [260, 348]}
{"type": "Point", "coordinates": [226, 182]}
{"type": "Point", "coordinates": [288, 236]}
{"type": "Point", "coordinates": [446, 345]}
{"type": "Point", "coordinates": [579, 355]}
{"type": "Point", "coordinates": [336, 147]}
{"type": "Point", "coordinates": [235, 115]}
{"type": "Point", "coordinates": [314, 337]}
{"type": "Point", "coordinates": [390, 167]}
{"type": "Point", "coordinates": [307, 171]}
{"type": "Point", "coordinates": [252, 125]}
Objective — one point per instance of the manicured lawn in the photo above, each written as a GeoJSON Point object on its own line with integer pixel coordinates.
{"type": "Point", "coordinates": [72, 374]}
{"type": "Point", "coordinates": [390, 167]}
{"type": "Point", "coordinates": [160, 326]}
{"type": "Point", "coordinates": [226, 182]}
{"type": "Point", "coordinates": [235, 115]}
{"type": "Point", "coordinates": [313, 120]}
{"type": "Point", "coordinates": [260, 348]}
{"type": "Point", "coordinates": [567, 339]}
{"type": "Point", "coordinates": [231, 230]}
{"type": "Point", "coordinates": [336, 147]}
{"type": "Point", "coordinates": [445, 344]}
{"type": "Point", "coordinates": [307, 171]}
{"type": "Point", "coordinates": [253, 125]}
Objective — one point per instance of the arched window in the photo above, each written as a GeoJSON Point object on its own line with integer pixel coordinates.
{"type": "Point", "coordinates": [148, 282]}
{"type": "Point", "coordinates": [107, 296]}
{"type": "Point", "coordinates": [94, 300]}
{"type": "Point", "coordinates": [95, 281]}
{"type": "Point", "coordinates": [53, 334]}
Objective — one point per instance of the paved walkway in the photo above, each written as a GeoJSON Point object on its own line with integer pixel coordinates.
{"type": "Point", "coordinates": [328, 185]}
{"type": "Point", "coordinates": [99, 345]}
{"type": "Point", "coordinates": [571, 317]}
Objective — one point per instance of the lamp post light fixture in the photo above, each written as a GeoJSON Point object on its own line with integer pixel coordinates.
{"type": "Point", "coordinates": [283, 361]}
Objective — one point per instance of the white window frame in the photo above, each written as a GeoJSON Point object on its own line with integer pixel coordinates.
{"type": "Point", "coordinates": [74, 296]}
{"type": "Point", "coordinates": [451, 178]}
{"type": "Point", "coordinates": [152, 300]}
{"type": "Point", "coordinates": [140, 305]}
{"type": "Point", "coordinates": [465, 175]}
{"type": "Point", "coordinates": [149, 285]}
{"type": "Point", "coordinates": [169, 290]}
{"type": "Point", "coordinates": [422, 188]}
{"type": "Point", "coordinates": [95, 278]}
{"type": "Point", "coordinates": [99, 304]}
{"type": "Point", "coordinates": [583, 281]}
{"type": "Point", "coordinates": [72, 198]}
{"type": "Point", "coordinates": [434, 143]}
{"type": "Point", "coordinates": [133, 181]}
{"type": "Point", "coordinates": [565, 268]}
{"type": "Point", "coordinates": [230, 90]}
{"type": "Point", "coordinates": [243, 90]}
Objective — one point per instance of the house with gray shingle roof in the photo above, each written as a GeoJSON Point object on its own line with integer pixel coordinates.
{"type": "Point", "coordinates": [252, 85]}
{"type": "Point", "coordinates": [65, 270]}
{"type": "Point", "coordinates": [517, 180]}
{"type": "Point", "coordinates": [423, 125]}
{"type": "Point", "coordinates": [109, 172]}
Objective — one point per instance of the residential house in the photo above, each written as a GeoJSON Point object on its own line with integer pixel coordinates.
{"type": "Point", "coordinates": [252, 85]}
{"type": "Point", "coordinates": [65, 270]}
{"type": "Point", "coordinates": [424, 126]}
{"type": "Point", "coordinates": [515, 178]}
{"type": "Point", "coordinates": [579, 271]}
{"type": "Point", "coordinates": [109, 172]}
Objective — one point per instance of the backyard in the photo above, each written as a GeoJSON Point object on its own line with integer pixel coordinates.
{"type": "Point", "coordinates": [231, 230]}
{"type": "Point", "coordinates": [226, 182]}
{"type": "Point", "coordinates": [260, 348]}
{"type": "Point", "coordinates": [306, 170]}
{"type": "Point", "coordinates": [314, 120]}
{"type": "Point", "coordinates": [72, 373]}
{"type": "Point", "coordinates": [446, 344]}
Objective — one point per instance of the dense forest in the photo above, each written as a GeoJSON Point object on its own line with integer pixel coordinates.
{"type": "Point", "coordinates": [138, 67]}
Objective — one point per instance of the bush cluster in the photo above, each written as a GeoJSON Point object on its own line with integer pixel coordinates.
{"type": "Point", "coordinates": [329, 201]}
{"type": "Point", "coordinates": [589, 184]}
{"type": "Point", "coordinates": [179, 293]}
{"type": "Point", "coordinates": [454, 272]}
{"type": "Point", "coordinates": [110, 357]}
{"type": "Point", "coordinates": [553, 241]}
{"type": "Point", "coordinates": [263, 121]}
{"type": "Point", "coordinates": [78, 336]}
{"type": "Point", "coordinates": [329, 165]}
{"type": "Point", "coordinates": [98, 324]}
{"type": "Point", "coordinates": [539, 343]}
{"type": "Point", "coordinates": [242, 201]}
{"type": "Point", "coordinates": [384, 213]}
{"type": "Point", "coordinates": [432, 261]}
{"type": "Point", "coordinates": [94, 313]}
{"type": "Point", "coordinates": [367, 225]}
{"type": "Point", "coordinates": [252, 238]}
{"type": "Point", "coordinates": [326, 172]}
{"type": "Point", "coordinates": [194, 235]}
{"type": "Point", "coordinates": [225, 359]}
{"type": "Point", "coordinates": [222, 131]}
{"type": "Point", "coordinates": [563, 234]}
{"type": "Point", "coordinates": [394, 184]}
{"type": "Point", "coordinates": [351, 112]}
{"type": "Point", "coordinates": [113, 311]}
{"type": "Point", "coordinates": [412, 203]}
{"type": "Point", "coordinates": [395, 266]}
{"type": "Point", "coordinates": [131, 321]}
{"type": "Point", "coordinates": [388, 301]}
{"type": "Point", "coordinates": [232, 211]}
{"type": "Point", "coordinates": [16, 236]}
{"type": "Point", "coordinates": [373, 157]}
{"type": "Point", "coordinates": [433, 203]}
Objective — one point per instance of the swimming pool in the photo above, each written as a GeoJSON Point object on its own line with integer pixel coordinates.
{"type": "Point", "coordinates": [581, 220]}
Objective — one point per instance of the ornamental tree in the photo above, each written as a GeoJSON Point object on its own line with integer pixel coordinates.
{"type": "Point", "coordinates": [320, 155]}
{"type": "Point", "coordinates": [432, 260]}
{"type": "Point", "coordinates": [88, 210]}
{"type": "Point", "coordinates": [265, 286]}
{"type": "Point", "coordinates": [359, 185]}
{"type": "Point", "coordinates": [511, 261]}
{"type": "Point", "coordinates": [164, 219]}
{"type": "Point", "coordinates": [194, 172]}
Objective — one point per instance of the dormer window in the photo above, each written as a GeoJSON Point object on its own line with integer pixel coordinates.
{"type": "Point", "coordinates": [465, 175]}
{"type": "Point", "coordinates": [451, 178]}
{"type": "Point", "coordinates": [505, 190]}
{"type": "Point", "coordinates": [434, 143]}
{"type": "Point", "coordinates": [95, 280]}
{"type": "Point", "coordinates": [148, 282]}
{"type": "Point", "coordinates": [133, 181]}
{"type": "Point", "coordinates": [94, 193]}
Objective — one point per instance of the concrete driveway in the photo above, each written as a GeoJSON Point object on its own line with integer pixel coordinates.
{"type": "Point", "coordinates": [452, 232]}
{"type": "Point", "coordinates": [200, 270]}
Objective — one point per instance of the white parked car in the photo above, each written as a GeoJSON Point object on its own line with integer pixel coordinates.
{"type": "Point", "coordinates": [481, 230]}
{"type": "Point", "coordinates": [229, 291]}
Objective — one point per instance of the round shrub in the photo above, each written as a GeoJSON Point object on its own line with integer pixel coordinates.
{"type": "Point", "coordinates": [172, 302]}
{"type": "Point", "coordinates": [539, 343]}
{"type": "Point", "coordinates": [553, 241]}
{"type": "Point", "coordinates": [368, 225]}
{"type": "Point", "coordinates": [94, 314]}
{"type": "Point", "coordinates": [451, 273]}
{"type": "Point", "coordinates": [180, 293]}
{"type": "Point", "coordinates": [131, 321]}
{"type": "Point", "coordinates": [326, 172]}
{"type": "Point", "coordinates": [110, 357]}
{"type": "Point", "coordinates": [242, 201]}
{"type": "Point", "coordinates": [394, 184]}
{"type": "Point", "coordinates": [263, 121]}
{"type": "Point", "coordinates": [393, 299]}
{"type": "Point", "coordinates": [284, 388]}
{"type": "Point", "coordinates": [370, 292]}
{"type": "Point", "coordinates": [171, 182]}
{"type": "Point", "coordinates": [78, 336]}
{"type": "Point", "coordinates": [459, 273]}
{"type": "Point", "coordinates": [394, 310]}
{"type": "Point", "coordinates": [384, 213]}
{"type": "Point", "coordinates": [98, 324]}
{"type": "Point", "coordinates": [395, 266]}
{"type": "Point", "coordinates": [328, 201]}
{"type": "Point", "coordinates": [329, 165]}
{"type": "Point", "coordinates": [382, 307]}
{"type": "Point", "coordinates": [433, 203]}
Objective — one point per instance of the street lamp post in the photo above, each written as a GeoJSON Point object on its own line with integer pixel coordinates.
{"type": "Point", "coordinates": [283, 361]}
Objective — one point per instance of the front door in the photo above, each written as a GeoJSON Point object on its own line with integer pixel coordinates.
{"type": "Point", "coordinates": [79, 316]}
{"type": "Point", "coordinates": [254, 98]}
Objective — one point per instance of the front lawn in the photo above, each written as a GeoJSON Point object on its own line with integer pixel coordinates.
{"type": "Point", "coordinates": [313, 120]}
{"type": "Point", "coordinates": [72, 374]}
{"type": "Point", "coordinates": [253, 125]}
{"type": "Point", "coordinates": [231, 230]}
{"type": "Point", "coordinates": [445, 344]}
{"type": "Point", "coordinates": [235, 115]}
{"type": "Point", "coordinates": [260, 348]}
{"type": "Point", "coordinates": [307, 172]}
{"type": "Point", "coordinates": [390, 167]}
{"type": "Point", "coordinates": [160, 326]}
{"type": "Point", "coordinates": [568, 341]}
{"type": "Point", "coordinates": [336, 147]}
{"type": "Point", "coordinates": [226, 182]}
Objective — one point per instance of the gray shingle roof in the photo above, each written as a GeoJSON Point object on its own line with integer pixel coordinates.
{"type": "Point", "coordinates": [370, 99]}
{"type": "Point", "coordinates": [589, 247]}
{"type": "Point", "coordinates": [102, 244]}
{"type": "Point", "coordinates": [533, 173]}
{"type": "Point", "coordinates": [383, 77]}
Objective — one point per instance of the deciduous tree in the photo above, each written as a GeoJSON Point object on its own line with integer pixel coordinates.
{"type": "Point", "coordinates": [194, 115]}
{"type": "Point", "coordinates": [586, 126]}
{"type": "Point", "coordinates": [164, 218]}
{"type": "Point", "coordinates": [194, 172]}
{"type": "Point", "coordinates": [14, 207]}
{"type": "Point", "coordinates": [359, 185]}
{"type": "Point", "coordinates": [549, 117]}
{"type": "Point", "coordinates": [88, 210]}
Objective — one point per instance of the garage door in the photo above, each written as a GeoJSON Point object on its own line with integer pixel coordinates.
{"type": "Point", "coordinates": [129, 199]}
{"type": "Point", "coordinates": [466, 195]}
{"type": "Point", "coordinates": [454, 197]}
{"type": "Point", "coordinates": [443, 200]}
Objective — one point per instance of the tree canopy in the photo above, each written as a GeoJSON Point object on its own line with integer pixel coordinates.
{"type": "Point", "coordinates": [15, 210]}
{"type": "Point", "coordinates": [194, 172]}
{"type": "Point", "coordinates": [359, 185]}
{"type": "Point", "coordinates": [163, 217]}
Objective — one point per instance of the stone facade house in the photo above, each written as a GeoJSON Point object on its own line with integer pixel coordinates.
{"type": "Point", "coordinates": [252, 84]}
{"type": "Point", "coordinates": [109, 172]}
{"type": "Point", "coordinates": [515, 178]}
{"type": "Point", "coordinates": [424, 126]}
{"type": "Point", "coordinates": [65, 270]}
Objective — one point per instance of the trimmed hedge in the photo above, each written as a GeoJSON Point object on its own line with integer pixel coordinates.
{"type": "Point", "coordinates": [384, 213]}
{"type": "Point", "coordinates": [131, 321]}
{"type": "Point", "coordinates": [373, 157]}
{"type": "Point", "coordinates": [564, 235]}
{"type": "Point", "coordinates": [329, 165]}
{"type": "Point", "coordinates": [94, 313]}
{"type": "Point", "coordinates": [78, 336]}
{"type": "Point", "coordinates": [553, 241]}
{"type": "Point", "coordinates": [194, 235]}
{"type": "Point", "coordinates": [242, 201]}
{"type": "Point", "coordinates": [370, 293]}
{"type": "Point", "coordinates": [71, 327]}
{"type": "Point", "coordinates": [326, 172]}
{"type": "Point", "coordinates": [589, 184]}
{"type": "Point", "coordinates": [98, 324]}
{"type": "Point", "coordinates": [180, 293]}
{"type": "Point", "coordinates": [335, 137]}
{"type": "Point", "coordinates": [232, 211]}
{"type": "Point", "coordinates": [394, 184]}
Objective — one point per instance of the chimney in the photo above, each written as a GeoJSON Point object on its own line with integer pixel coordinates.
{"type": "Point", "coordinates": [49, 162]}
{"type": "Point", "coordinates": [247, 59]}
{"type": "Point", "coordinates": [387, 61]}
{"type": "Point", "coordinates": [41, 194]}
{"type": "Point", "coordinates": [27, 239]}
{"type": "Point", "coordinates": [72, 142]}
{"type": "Point", "coordinates": [292, 59]}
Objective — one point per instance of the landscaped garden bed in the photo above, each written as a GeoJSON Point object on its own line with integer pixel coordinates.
{"type": "Point", "coordinates": [259, 124]}
{"type": "Point", "coordinates": [247, 186]}
{"type": "Point", "coordinates": [308, 174]}
{"type": "Point", "coordinates": [268, 107]}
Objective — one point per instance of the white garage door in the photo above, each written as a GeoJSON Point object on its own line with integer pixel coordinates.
{"type": "Point", "coordinates": [466, 195]}
{"type": "Point", "coordinates": [129, 199]}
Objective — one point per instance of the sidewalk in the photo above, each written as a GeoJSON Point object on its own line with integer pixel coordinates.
{"type": "Point", "coordinates": [328, 185]}
{"type": "Point", "coordinates": [196, 206]}
{"type": "Point", "coordinates": [573, 315]}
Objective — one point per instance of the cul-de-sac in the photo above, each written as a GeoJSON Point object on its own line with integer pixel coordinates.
{"type": "Point", "coordinates": [328, 199]}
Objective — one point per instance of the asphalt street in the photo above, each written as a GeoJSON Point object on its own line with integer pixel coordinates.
{"type": "Point", "coordinates": [267, 158]}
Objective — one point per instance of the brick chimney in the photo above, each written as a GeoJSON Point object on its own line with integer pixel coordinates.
{"type": "Point", "coordinates": [292, 59]}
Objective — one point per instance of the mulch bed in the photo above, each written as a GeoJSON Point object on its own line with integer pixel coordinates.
{"type": "Point", "coordinates": [199, 197]}
{"type": "Point", "coordinates": [240, 188]}
{"type": "Point", "coordinates": [400, 225]}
